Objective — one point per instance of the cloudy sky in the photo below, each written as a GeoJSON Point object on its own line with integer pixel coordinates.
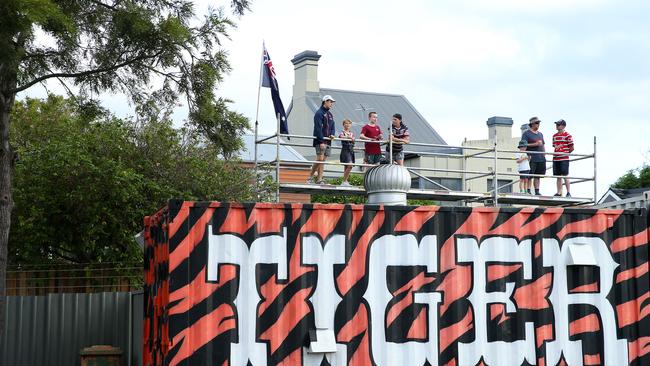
{"type": "Point", "coordinates": [461, 62]}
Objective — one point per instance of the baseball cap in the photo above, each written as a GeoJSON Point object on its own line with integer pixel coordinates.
{"type": "Point", "coordinates": [328, 97]}
{"type": "Point", "coordinates": [561, 122]}
{"type": "Point", "coordinates": [523, 143]}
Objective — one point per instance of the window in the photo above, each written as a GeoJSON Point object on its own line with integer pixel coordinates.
{"type": "Point", "coordinates": [502, 182]}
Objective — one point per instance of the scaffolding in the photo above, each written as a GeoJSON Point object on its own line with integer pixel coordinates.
{"type": "Point", "coordinates": [491, 197]}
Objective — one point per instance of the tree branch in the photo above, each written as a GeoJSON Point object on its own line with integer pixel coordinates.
{"type": "Point", "coordinates": [99, 3]}
{"type": "Point", "coordinates": [83, 73]}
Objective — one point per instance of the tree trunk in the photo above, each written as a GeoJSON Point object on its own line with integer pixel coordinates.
{"type": "Point", "coordinates": [6, 201]}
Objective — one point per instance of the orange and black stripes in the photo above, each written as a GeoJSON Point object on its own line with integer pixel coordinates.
{"type": "Point", "coordinates": [192, 321]}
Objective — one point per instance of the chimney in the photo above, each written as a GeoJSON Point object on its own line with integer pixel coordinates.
{"type": "Point", "coordinates": [305, 66]}
{"type": "Point", "coordinates": [499, 128]}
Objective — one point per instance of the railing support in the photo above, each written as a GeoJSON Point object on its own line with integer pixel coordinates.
{"type": "Point", "coordinates": [496, 177]}
{"type": "Point", "coordinates": [277, 161]}
{"type": "Point", "coordinates": [595, 171]}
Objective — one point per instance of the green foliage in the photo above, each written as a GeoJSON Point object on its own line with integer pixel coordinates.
{"type": "Point", "coordinates": [638, 178]}
{"type": "Point", "coordinates": [354, 179]}
{"type": "Point", "coordinates": [84, 180]}
{"type": "Point", "coordinates": [147, 49]}
{"type": "Point", "coordinates": [422, 203]}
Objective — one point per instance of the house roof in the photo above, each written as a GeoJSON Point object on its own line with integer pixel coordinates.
{"type": "Point", "coordinates": [629, 193]}
{"type": "Point", "coordinates": [266, 152]}
{"type": "Point", "coordinates": [355, 105]}
{"type": "Point", "coordinates": [619, 194]}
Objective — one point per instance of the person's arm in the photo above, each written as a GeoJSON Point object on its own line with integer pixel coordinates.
{"type": "Point", "coordinates": [407, 137]}
{"type": "Point", "coordinates": [570, 143]}
{"type": "Point", "coordinates": [318, 124]}
{"type": "Point", "coordinates": [521, 158]}
{"type": "Point", "coordinates": [332, 129]}
{"type": "Point", "coordinates": [362, 135]}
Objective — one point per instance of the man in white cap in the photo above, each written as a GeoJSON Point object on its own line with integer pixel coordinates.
{"type": "Point", "coordinates": [323, 133]}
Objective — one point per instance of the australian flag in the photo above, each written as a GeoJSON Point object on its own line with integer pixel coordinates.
{"type": "Point", "coordinates": [269, 81]}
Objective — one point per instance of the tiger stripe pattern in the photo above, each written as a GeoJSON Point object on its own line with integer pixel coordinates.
{"type": "Point", "coordinates": [195, 314]}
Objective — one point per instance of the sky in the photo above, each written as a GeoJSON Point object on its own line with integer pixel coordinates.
{"type": "Point", "coordinates": [461, 62]}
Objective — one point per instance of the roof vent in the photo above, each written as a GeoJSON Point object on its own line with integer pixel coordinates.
{"type": "Point", "coordinates": [387, 184]}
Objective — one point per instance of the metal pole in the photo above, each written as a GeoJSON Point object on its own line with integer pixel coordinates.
{"type": "Point", "coordinates": [277, 160]}
{"type": "Point", "coordinates": [496, 178]}
{"type": "Point", "coordinates": [257, 112]}
{"type": "Point", "coordinates": [390, 144]}
{"type": "Point", "coordinates": [595, 170]}
{"type": "Point", "coordinates": [463, 181]}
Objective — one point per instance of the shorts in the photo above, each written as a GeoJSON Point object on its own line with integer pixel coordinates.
{"type": "Point", "coordinates": [398, 155]}
{"type": "Point", "coordinates": [524, 174]}
{"type": "Point", "coordinates": [561, 167]}
{"type": "Point", "coordinates": [347, 156]}
{"type": "Point", "coordinates": [538, 167]}
{"type": "Point", "coordinates": [373, 158]}
{"type": "Point", "coordinates": [320, 151]}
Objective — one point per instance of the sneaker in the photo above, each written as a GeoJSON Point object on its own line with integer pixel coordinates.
{"type": "Point", "coordinates": [557, 195]}
{"type": "Point", "coordinates": [345, 183]}
{"type": "Point", "coordinates": [568, 194]}
{"type": "Point", "coordinates": [321, 182]}
{"type": "Point", "coordinates": [310, 180]}
{"type": "Point", "coordinates": [537, 192]}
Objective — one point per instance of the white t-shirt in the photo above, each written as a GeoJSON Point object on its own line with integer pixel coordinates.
{"type": "Point", "coordinates": [524, 165]}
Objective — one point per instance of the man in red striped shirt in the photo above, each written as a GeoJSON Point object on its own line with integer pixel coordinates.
{"type": "Point", "coordinates": [563, 143]}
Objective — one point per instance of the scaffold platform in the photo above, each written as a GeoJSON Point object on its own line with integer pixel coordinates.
{"type": "Point", "coordinates": [438, 195]}
{"type": "Point", "coordinates": [439, 192]}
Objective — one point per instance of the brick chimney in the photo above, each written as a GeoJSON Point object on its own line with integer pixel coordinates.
{"type": "Point", "coordinates": [305, 66]}
{"type": "Point", "coordinates": [499, 128]}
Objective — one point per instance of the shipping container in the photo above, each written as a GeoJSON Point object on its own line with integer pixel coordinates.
{"type": "Point", "coordinates": [310, 284]}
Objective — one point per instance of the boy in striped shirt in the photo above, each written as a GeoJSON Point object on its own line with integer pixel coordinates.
{"type": "Point", "coordinates": [563, 143]}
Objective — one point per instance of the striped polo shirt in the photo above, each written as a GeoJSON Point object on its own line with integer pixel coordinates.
{"type": "Point", "coordinates": [562, 142]}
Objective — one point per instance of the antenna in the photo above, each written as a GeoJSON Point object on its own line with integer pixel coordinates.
{"type": "Point", "coordinates": [363, 108]}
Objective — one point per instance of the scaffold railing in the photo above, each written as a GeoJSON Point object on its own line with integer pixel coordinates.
{"type": "Point", "coordinates": [465, 154]}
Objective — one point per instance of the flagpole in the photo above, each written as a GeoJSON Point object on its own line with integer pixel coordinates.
{"type": "Point", "coordinates": [257, 112]}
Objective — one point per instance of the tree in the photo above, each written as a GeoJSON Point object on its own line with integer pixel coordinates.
{"type": "Point", "coordinates": [637, 178]}
{"type": "Point", "coordinates": [115, 45]}
{"type": "Point", "coordinates": [98, 176]}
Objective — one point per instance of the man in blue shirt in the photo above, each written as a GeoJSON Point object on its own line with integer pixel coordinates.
{"type": "Point", "coordinates": [535, 144]}
{"type": "Point", "coordinates": [323, 133]}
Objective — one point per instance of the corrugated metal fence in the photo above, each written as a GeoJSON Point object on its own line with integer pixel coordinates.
{"type": "Point", "coordinates": [52, 329]}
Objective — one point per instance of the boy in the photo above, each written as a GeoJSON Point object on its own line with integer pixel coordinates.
{"type": "Point", "coordinates": [563, 143]}
{"type": "Point", "coordinates": [400, 134]}
{"type": "Point", "coordinates": [523, 166]}
{"type": "Point", "coordinates": [372, 132]}
{"type": "Point", "coordinates": [347, 150]}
